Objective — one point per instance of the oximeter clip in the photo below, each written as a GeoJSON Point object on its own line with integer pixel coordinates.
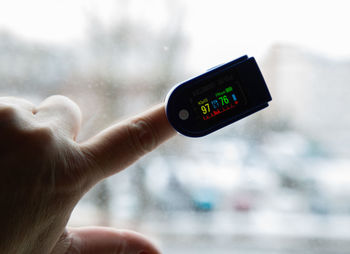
{"type": "Point", "coordinates": [217, 98]}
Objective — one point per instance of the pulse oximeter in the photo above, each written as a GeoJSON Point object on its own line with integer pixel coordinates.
{"type": "Point", "coordinates": [217, 98]}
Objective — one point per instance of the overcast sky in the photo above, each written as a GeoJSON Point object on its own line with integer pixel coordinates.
{"type": "Point", "coordinates": [218, 30]}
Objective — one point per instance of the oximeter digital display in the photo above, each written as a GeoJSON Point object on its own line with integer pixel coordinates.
{"type": "Point", "coordinates": [217, 98]}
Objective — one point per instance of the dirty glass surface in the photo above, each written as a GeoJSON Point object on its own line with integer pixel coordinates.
{"type": "Point", "coordinates": [276, 182]}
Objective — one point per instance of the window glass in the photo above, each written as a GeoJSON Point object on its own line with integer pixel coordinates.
{"type": "Point", "coordinates": [275, 182]}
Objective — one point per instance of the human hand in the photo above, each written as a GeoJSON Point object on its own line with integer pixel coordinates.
{"type": "Point", "coordinates": [44, 172]}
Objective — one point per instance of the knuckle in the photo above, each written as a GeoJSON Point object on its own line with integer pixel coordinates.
{"type": "Point", "coordinates": [58, 97]}
{"type": "Point", "coordinates": [10, 120]}
{"type": "Point", "coordinates": [63, 101]}
{"type": "Point", "coordinates": [143, 136]}
{"type": "Point", "coordinates": [18, 126]}
{"type": "Point", "coordinates": [7, 113]}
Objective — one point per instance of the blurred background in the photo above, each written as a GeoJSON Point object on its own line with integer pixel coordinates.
{"type": "Point", "coordinates": [275, 182]}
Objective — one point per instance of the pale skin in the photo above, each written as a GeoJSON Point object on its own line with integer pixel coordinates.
{"type": "Point", "coordinates": [44, 172]}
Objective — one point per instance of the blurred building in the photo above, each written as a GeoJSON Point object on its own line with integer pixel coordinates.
{"type": "Point", "coordinates": [310, 95]}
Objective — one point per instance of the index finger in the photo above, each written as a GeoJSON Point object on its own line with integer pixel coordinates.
{"type": "Point", "coordinates": [120, 145]}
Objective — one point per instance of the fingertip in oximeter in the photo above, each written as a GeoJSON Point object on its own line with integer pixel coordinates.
{"type": "Point", "coordinates": [217, 98]}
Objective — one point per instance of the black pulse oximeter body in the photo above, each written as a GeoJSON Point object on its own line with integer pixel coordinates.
{"type": "Point", "coordinates": [217, 98]}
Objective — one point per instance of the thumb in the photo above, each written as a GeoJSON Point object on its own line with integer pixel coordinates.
{"type": "Point", "coordinates": [102, 240]}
